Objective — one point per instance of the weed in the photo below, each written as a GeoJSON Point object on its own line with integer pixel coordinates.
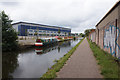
{"type": "Point", "coordinates": [51, 73]}
{"type": "Point", "coordinates": [108, 65]}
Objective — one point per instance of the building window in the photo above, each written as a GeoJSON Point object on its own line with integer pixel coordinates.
{"type": "Point", "coordinates": [30, 34]}
{"type": "Point", "coordinates": [30, 30]}
{"type": "Point", "coordinates": [40, 31]}
{"type": "Point", "coordinates": [40, 34]}
{"type": "Point", "coordinates": [35, 30]}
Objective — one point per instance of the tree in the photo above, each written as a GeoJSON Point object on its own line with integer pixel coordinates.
{"type": "Point", "coordinates": [52, 34]}
{"type": "Point", "coordinates": [45, 34]}
{"type": "Point", "coordinates": [82, 35]}
{"type": "Point", "coordinates": [9, 36]}
{"type": "Point", "coordinates": [36, 34]}
{"type": "Point", "coordinates": [76, 34]}
{"type": "Point", "coordinates": [69, 34]}
{"type": "Point", "coordinates": [26, 32]}
{"type": "Point", "coordinates": [65, 33]}
{"type": "Point", "coordinates": [59, 32]}
{"type": "Point", "coordinates": [87, 31]}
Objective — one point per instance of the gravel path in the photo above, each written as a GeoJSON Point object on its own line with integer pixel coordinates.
{"type": "Point", "coordinates": [82, 64]}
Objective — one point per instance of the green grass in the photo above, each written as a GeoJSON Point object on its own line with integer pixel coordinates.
{"type": "Point", "coordinates": [51, 73]}
{"type": "Point", "coordinates": [109, 67]}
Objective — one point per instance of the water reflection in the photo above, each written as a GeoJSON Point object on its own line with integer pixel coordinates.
{"type": "Point", "coordinates": [39, 50]}
{"type": "Point", "coordinates": [34, 62]}
{"type": "Point", "coordinates": [58, 49]}
{"type": "Point", "coordinates": [45, 49]}
{"type": "Point", "coordinates": [9, 64]}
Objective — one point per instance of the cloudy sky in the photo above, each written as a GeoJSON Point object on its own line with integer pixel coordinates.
{"type": "Point", "coordinates": [75, 14]}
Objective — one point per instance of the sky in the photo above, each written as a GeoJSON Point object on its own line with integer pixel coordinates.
{"type": "Point", "coordinates": [78, 15]}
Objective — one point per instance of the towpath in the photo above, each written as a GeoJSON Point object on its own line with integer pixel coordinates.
{"type": "Point", "coordinates": [82, 64]}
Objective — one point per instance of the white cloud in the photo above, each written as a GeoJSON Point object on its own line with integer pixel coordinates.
{"type": "Point", "coordinates": [76, 14]}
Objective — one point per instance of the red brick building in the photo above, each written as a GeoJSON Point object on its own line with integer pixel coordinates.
{"type": "Point", "coordinates": [92, 35]}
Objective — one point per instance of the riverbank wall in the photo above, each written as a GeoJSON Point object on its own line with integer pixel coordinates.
{"type": "Point", "coordinates": [30, 40]}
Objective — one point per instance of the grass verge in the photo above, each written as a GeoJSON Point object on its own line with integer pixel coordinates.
{"type": "Point", "coordinates": [51, 73]}
{"type": "Point", "coordinates": [109, 67]}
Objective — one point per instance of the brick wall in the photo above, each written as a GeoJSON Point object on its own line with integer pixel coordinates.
{"type": "Point", "coordinates": [108, 32]}
{"type": "Point", "coordinates": [92, 36]}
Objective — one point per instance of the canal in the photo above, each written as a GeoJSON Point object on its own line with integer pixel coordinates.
{"type": "Point", "coordinates": [34, 62]}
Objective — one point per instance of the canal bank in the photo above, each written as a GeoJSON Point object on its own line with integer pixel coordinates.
{"type": "Point", "coordinates": [52, 72]}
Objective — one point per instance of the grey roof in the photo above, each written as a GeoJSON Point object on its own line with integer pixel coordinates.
{"type": "Point", "coordinates": [38, 24]}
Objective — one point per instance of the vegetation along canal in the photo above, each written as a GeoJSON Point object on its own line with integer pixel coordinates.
{"type": "Point", "coordinates": [33, 63]}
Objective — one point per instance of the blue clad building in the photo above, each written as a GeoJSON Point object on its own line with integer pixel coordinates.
{"type": "Point", "coordinates": [33, 29]}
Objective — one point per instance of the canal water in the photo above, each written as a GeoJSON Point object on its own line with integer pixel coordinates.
{"type": "Point", "coordinates": [34, 62]}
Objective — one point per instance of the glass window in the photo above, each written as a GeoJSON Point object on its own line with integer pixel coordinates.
{"type": "Point", "coordinates": [35, 30]}
{"type": "Point", "coordinates": [40, 34]}
{"type": "Point", "coordinates": [40, 31]}
{"type": "Point", "coordinates": [30, 34]}
{"type": "Point", "coordinates": [30, 30]}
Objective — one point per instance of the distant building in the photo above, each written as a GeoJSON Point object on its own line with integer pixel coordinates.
{"type": "Point", "coordinates": [74, 34]}
{"type": "Point", "coordinates": [92, 35]}
{"type": "Point", "coordinates": [108, 31]}
{"type": "Point", "coordinates": [33, 29]}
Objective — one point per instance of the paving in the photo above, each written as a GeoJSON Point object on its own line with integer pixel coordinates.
{"type": "Point", "coordinates": [82, 64]}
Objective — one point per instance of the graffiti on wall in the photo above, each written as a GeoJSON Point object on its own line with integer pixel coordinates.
{"type": "Point", "coordinates": [110, 40]}
{"type": "Point", "coordinates": [117, 45]}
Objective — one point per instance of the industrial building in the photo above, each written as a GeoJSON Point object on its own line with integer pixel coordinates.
{"type": "Point", "coordinates": [108, 31]}
{"type": "Point", "coordinates": [33, 29]}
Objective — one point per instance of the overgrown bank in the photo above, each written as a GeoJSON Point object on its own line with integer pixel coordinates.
{"type": "Point", "coordinates": [109, 67]}
{"type": "Point", "coordinates": [51, 73]}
